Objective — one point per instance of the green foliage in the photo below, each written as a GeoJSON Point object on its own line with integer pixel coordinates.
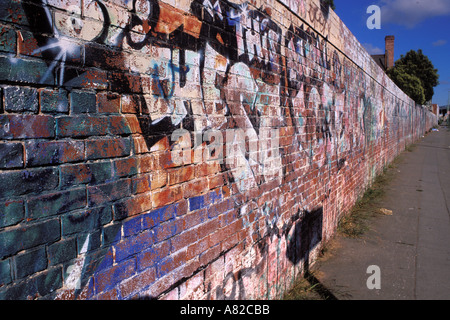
{"type": "Point", "coordinates": [410, 84]}
{"type": "Point", "coordinates": [328, 4]}
{"type": "Point", "coordinates": [410, 67]}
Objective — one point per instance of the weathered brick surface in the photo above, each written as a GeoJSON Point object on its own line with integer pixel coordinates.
{"type": "Point", "coordinates": [11, 155]}
{"type": "Point", "coordinates": [206, 152]}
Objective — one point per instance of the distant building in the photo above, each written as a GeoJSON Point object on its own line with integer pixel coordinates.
{"type": "Point", "coordinates": [386, 60]}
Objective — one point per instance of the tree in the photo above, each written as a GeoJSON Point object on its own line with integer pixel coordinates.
{"type": "Point", "coordinates": [410, 84]}
{"type": "Point", "coordinates": [419, 65]}
{"type": "Point", "coordinates": [328, 4]}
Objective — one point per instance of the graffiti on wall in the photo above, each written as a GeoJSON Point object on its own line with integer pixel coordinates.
{"type": "Point", "coordinates": [279, 105]}
{"type": "Point", "coordinates": [213, 66]}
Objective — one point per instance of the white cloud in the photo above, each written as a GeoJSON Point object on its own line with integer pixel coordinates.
{"type": "Point", "coordinates": [439, 43]}
{"type": "Point", "coordinates": [409, 13]}
{"type": "Point", "coordinates": [371, 49]}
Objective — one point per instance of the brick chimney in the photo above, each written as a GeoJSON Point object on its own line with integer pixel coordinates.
{"type": "Point", "coordinates": [390, 42]}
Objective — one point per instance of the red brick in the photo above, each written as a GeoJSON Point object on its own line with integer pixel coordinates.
{"type": "Point", "coordinates": [216, 181]}
{"type": "Point", "coordinates": [141, 184]}
{"type": "Point", "coordinates": [206, 169]}
{"type": "Point", "coordinates": [26, 126]}
{"type": "Point", "coordinates": [131, 104]}
{"type": "Point", "coordinates": [108, 295]}
{"type": "Point", "coordinates": [166, 196]}
{"type": "Point", "coordinates": [223, 233]}
{"type": "Point", "coordinates": [107, 279]}
{"type": "Point", "coordinates": [124, 124]}
{"type": "Point", "coordinates": [171, 262]}
{"type": "Point", "coordinates": [183, 240]}
{"type": "Point", "coordinates": [194, 219]}
{"type": "Point", "coordinates": [138, 282]}
{"type": "Point", "coordinates": [125, 167]}
{"type": "Point", "coordinates": [210, 254]}
{"type": "Point", "coordinates": [158, 179]}
{"type": "Point", "coordinates": [108, 102]}
{"type": "Point", "coordinates": [139, 145]}
{"type": "Point", "coordinates": [132, 206]}
{"type": "Point", "coordinates": [107, 148]}
{"type": "Point", "coordinates": [179, 175]}
{"type": "Point", "coordinates": [208, 228]}
{"type": "Point", "coordinates": [194, 188]}
{"type": "Point", "coordinates": [197, 248]}
{"type": "Point", "coordinates": [151, 256]}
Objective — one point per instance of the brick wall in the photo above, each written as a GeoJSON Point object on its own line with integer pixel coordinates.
{"type": "Point", "coordinates": [182, 149]}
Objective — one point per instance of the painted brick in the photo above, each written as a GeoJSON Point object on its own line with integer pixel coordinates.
{"type": "Point", "coordinates": [25, 71]}
{"type": "Point", "coordinates": [83, 102]}
{"type": "Point", "coordinates": [196, 203]}
{"type": "Point", "coordinates": [132, 226]}
{"type": "Point", "coordinates": [25, 237]}
{"type": "Point", "coordinates": [108, 103]}
{"type": "Point", "coordinates": [54, 101]}
{"type": "Point", "coordinates": [107, 148]}
{"type": "Point", "coordinates": [85, 221]}
{"type": "Point", "coordinates": [132, 206]}
{"type": "Point", "coordinates": [157, 216]}
{"type": "Point", "coordinates": [92, 173]}
{"type": "Point", "coordinates": [11, 155]}
{"type": "Point", "coordinates": [30, 262]}
{"type": "Point", "coordinates": [40, 285]}
{"type": "Point", "coordinates": [166, 196]}
{"type": "Point", "coordinates": [12, 11]}
{"type": "Point", "coordinates": [138, 282]}
{"type": "Point", "coordinates": [26, 126]}
{"type": "Point", "coordinates": [152, 255]}
{"type": "Point", "coordinates": [125, 167]}
{"type": "Point", "coordinates": [131, 104]}
{"type": "Point", "coordinates": [130, 82]}
{"type": "Point", "coordinates": [56, 203]}
{"type": "Point", "coordinates": [40, 153]}
{"type": "Point", "coordinates": [132, 245]}
{"type": "Point", "coordinates": [82, 78]}
{"type": "Point", "coordinates": [124, 124]}
{"type": "Point", "coordinates": [111, 234]}
{"type": "Point", "coordinates": [5, 272]}
{"type": "Point", "coordinates": [7, 40]}
{"type": "Point", "coordinates": [18, 183]}
{"type": "Point", "coordinates": [103, 58]}
{"type": "Point", "coordinates": [156, 228]}
{"type": "Point", "coordinates": [92, 244]}
{"type": "Point", "coordinates": [168, 229]}
{"type": "Point", "coordinates": [81, 126]}
{"type": "Point", "coordinates": [109, 278]}
{"type": "Point", "coordinates": [141, 184]}
{"type": "Point", "coordinates": [62, 251]}
{"type": "Point", "coordinates": [20, 99]}
{"type": "Point", "coordinates": [11, 212]}
{"type": "Point", "coordinates": [170, 263]}
{"type": "Point", "coordinates": [108, 192]}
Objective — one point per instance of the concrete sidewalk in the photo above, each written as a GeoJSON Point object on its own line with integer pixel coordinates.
{"type": "Point", "coordinates": [412, 246]}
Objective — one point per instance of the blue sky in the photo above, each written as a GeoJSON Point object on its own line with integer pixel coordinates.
{"type": "Point", "coordinates": [416, 24]}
